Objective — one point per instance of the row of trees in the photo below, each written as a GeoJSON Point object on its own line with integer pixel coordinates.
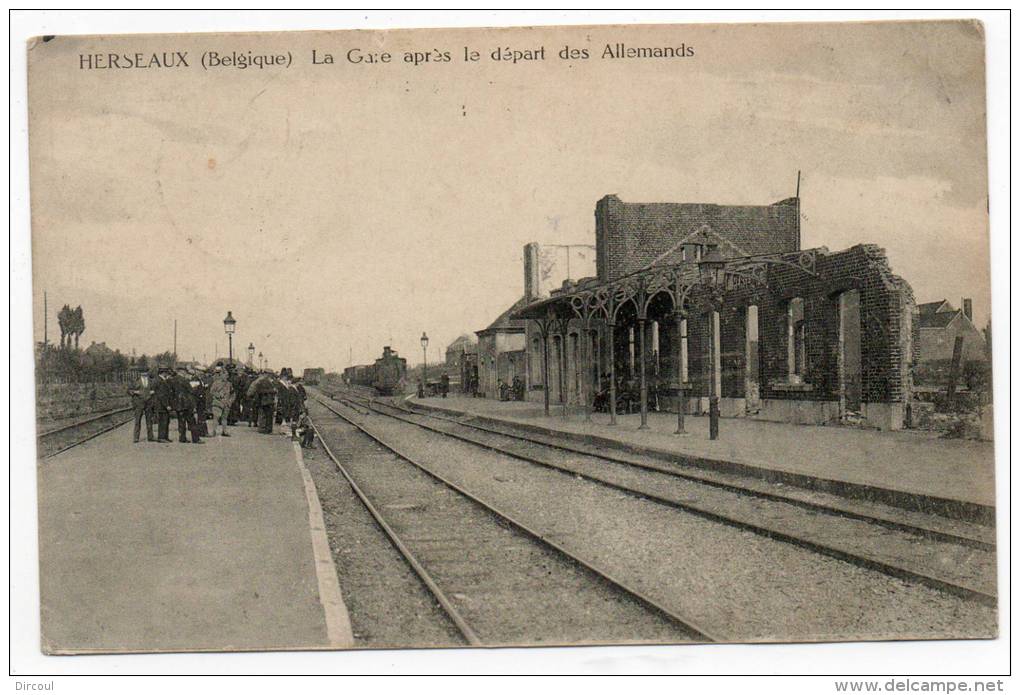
{"type": "Point", "coordinates": [72, 324]}
{"type": "Point", "coordinates": [97, 364]}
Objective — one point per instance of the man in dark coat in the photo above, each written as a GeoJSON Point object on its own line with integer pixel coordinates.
{"type": "Point", "coordinates": [239, 387]}
{"type": "Point", "coordinates": [200, 389]}
{"type": "Point", "coordinates": [282, 401]}
{"type": "Point", "coordinates": [164, 401]}
{"type": "Point", "coordinates": [184, 404]}
{"type": "Point", "coordinates": [143, 398]}
{"type": "Point", "coordinates": [236, 382]}
{"type": "Point", "coordinates": [263, 392]}
{"type": "Point", "coordinates": [251, 405]}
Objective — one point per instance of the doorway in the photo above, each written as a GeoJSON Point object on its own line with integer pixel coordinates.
{"type": "Point", "coordinates": [850, 352]}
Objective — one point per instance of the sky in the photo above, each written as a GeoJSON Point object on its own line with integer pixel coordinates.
{"type": "Point", "coordinates": [334, 209]}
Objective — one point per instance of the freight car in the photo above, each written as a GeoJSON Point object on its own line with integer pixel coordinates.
{"type": "Point", "coordinates": [386, 375]}
{"type": "Point", "coordinates": [313, 376]}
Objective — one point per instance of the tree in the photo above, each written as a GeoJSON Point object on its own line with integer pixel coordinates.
{"type": "Point", "coordinates": [78, 324]}
{"type": "Point", "coordinates": [118, 361]}
{"type": "Point", "coordinates": [65, 319]}
{"type": "Point", "coordinates": [165, 359]}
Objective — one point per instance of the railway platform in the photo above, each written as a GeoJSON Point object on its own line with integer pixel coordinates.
{"type": "Point", "coordinates": [911, 469]}
{"type": "Point", "coordinates": [184, 547]}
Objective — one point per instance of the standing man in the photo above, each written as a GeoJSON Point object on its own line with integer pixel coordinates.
{"type": "Point", "coordinates": [444, 384]}
{"type": "Point", "coordinates": [184, 404]}
{"type": "Point", "coordinates": [263, 393]}
{"type": "Point", "coordinates": [164, 400]}
{"type": "Point", "coordinates": [282, 399]}
{"type": "Point", "coordinates": [251, 406]}
{"type": "Point", "coordinates": [143, 402]}
{"type": "Point", "coordinates": [221, 395]}
{"type": "Point", "coordinates": [198, 389]}
{"type": "Point", "coordinates": [235, 407]}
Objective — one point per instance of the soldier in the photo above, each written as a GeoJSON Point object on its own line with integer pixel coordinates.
{"type": "Point", "coordinates": [184, 404]}
{"type": "Point", "coordinates": [221, 394]}
{"type": "Point", "coordinates": [143, 402]}
{"type": "Point", "coordinates": [164, 401]}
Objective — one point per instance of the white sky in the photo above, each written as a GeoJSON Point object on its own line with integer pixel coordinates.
{"type": "Point", "coordinates": [344, 207]}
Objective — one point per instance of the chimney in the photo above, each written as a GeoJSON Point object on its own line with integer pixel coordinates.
{"type": "Point", "coordinates": [968, 308]}
{"type": "Point", "coordinates": [531, 272]}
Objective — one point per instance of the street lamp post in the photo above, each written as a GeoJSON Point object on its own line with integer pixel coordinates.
{"type": "Point", "coordinates": [228, 326]}
{"type": "Point", "coordinates": [712, 269]}
{"type": "Point", "coordinates": [260, 361]}
{"type": "Point", "coordinates": [424, 361]}
{"type": "Point", "coordinates": [251, 353]}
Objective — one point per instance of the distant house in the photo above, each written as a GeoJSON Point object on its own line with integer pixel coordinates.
{"type": "Point", "coordinates": [462, 361]}
{"type": "Point", "coordinates": [464, 345]}
{"type": "Point", "coordinates": [501, 354]}
{"type": "Point", "coordinates": [97, 354]}
{"type": "Point", "coordinates": [940, 323]}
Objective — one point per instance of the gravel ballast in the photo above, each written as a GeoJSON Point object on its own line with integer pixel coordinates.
{"type": "Point", "coordinates": [743, 586]}
{"type": "Point", "coordinates": [510, 588]}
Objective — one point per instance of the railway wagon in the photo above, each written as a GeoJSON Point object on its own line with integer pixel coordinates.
{"type": "Point", "coordinates": [359, 375]}
{"type": "Point", "coordinates": [385, 375]}
{"type": "Point", "coordinates": [313, 376]}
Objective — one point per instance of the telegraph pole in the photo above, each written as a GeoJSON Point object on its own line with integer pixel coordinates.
{"type": "Point", "coordinates": [45, 320]}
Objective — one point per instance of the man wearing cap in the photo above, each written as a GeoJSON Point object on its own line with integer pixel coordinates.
{"type": "Point", "coordinates": [184, 404]}
{"type": "Point", "coordinates": [221, 394]}
{"type": "Point", "coordinates": [142, 400]}
{"type": "Point", "coordinates": [164, 400]}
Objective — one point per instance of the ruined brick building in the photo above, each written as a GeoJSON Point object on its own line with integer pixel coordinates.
{"type": "Point", "coordinates": [694, 300]}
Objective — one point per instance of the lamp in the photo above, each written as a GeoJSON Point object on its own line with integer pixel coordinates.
{"type": "Point", "coordinates": [712, 267]}
{"type": "Point", "coordinates": [251, 353]}
{"type": "Point", "coordinates": [424, 359]}
{"type": "Point", "coordinates": [228, 327]}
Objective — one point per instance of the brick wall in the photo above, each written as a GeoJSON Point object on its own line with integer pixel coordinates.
{"type": "Point", "coordinates": [887, 351]}
{"type": "Point", "coordinates": [631, 236]}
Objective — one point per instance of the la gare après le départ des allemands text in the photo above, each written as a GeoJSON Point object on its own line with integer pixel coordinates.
{"type": "Point", "coordinates": [242, 60]}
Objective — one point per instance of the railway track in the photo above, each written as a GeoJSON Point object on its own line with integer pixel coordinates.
{"type": "Point", "coordinates": [499, 581]}
{"type": "Point", "coordinates": [955, 559]}
{"type": "Point", "coordinates": [60, 439]}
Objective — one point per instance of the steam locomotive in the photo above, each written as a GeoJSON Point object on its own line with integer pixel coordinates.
{"type": "Point", "coordinates": [386, 375]}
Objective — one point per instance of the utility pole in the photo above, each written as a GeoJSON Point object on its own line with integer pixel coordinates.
{"type": "Point", "coordinates": [175, 340]}
{"type": "Point", "coordinates": [45, 320]}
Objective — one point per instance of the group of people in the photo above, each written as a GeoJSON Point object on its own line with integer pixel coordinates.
{"type": "Point", "coordinates": [628, 395]}
{"type": "Point", "coordinates": [206, 402]}
{"type": "Point", "coordinates": [443, 388]}
{"type": "Point", "coordinates": [511, 392]}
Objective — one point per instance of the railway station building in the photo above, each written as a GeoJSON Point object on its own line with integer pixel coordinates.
{"type": "Point", "coordinates": [695, 305]}
{"type": "Point", "coordinates": [502, 345]}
